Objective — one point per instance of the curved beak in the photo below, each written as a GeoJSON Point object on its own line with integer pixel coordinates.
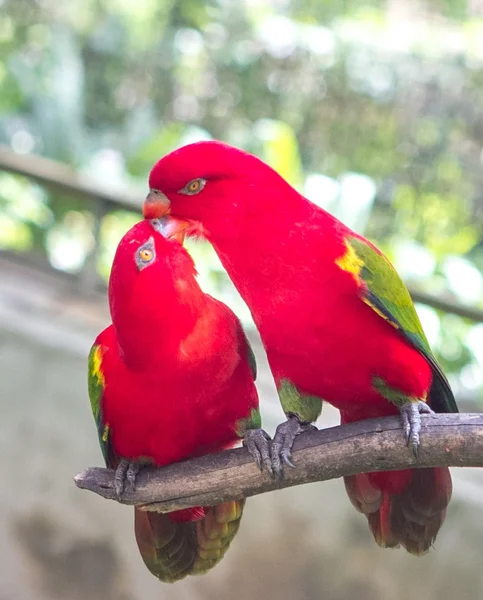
{"type": "Point", "coordinates": [156, 205]}
{"type": "Point", "coordinates": [171, 227]}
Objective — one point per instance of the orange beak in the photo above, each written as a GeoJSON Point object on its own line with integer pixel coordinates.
{"type": "Point", "coordinates": [172, 227]}
{"type": "Point", "coordinates": [156, 205]}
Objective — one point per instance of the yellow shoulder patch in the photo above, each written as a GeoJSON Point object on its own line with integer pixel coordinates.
{"type": "Point", "coordinates": [353, 264]}
{"type": "Point", "coordinates": [350, 262]}
{"type": "Point", "coordinates": [95, 365]}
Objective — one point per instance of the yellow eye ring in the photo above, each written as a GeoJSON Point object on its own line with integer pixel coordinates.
{"type": "Point", "coordinates": [145, 254]}
{"type": "Point", "coordinates": [193, 187]}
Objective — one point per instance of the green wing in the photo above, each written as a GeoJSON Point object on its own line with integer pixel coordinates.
{"type": "Point", "coordinates": [96, 384]}
{"type": "Point", "coordinates": [385, 292]}
{"type": "Point", "coordinates": [245, 348]}
{"type": "Point", "coordinates": [251, 360]}
{"type": "Point", "coordinates": [253, 420]}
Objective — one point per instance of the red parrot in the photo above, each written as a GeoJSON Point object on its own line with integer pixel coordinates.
{"type": "Point", "coordinates": [171, 378]}
{"type": "Point", "coordinates": [336, 320]}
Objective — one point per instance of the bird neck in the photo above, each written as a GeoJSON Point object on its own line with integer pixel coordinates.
{"type": "Point", "coordinates": [151, 328]}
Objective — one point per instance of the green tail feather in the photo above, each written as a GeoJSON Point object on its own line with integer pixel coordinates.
{"type": "Point", "coordinates": [171, 551]}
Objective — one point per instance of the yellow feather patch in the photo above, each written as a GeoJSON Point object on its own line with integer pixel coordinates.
{"type": "Point", "coordinates": [105, 433]}
{"type": "Point", "coordinates": [228, 511]}
{"type": "Point", "coordinates": [96, 366]}
{"type": "Point", "coordinates": [350, 262]}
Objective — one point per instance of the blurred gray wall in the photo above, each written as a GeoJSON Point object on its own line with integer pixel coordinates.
{"type": "Point", "coordinates": [57, 542]}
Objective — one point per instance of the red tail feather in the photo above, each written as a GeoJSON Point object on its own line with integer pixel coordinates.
{"type": "Point", "coordinates": [404, 508]}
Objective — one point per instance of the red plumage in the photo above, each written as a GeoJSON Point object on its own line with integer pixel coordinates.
{"type": "Point", "coordinates": [176, 380]}
{"type": "Point", "coordinates": [284, 255]}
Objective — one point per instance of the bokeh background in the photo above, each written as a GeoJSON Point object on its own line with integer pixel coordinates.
{"type": "Point", "coordinates": [373, 109]}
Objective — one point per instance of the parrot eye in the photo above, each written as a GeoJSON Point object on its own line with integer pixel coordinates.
{"type": "Point", "coordinates": [193, 187]}
{"type": "Point", "coordinates": [145, 255]}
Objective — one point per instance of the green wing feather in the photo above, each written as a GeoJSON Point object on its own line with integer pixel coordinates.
{"type": "Point", "coordinates": [96, 384]}
{"type": "Point", "coordinates": [244, 348]}
{"type": "Point", "coordinates": [251, 360]}
{"type": "Point", "coordinates": [385, 292]}
{"type": "Point", "coordinates": [171, 550]}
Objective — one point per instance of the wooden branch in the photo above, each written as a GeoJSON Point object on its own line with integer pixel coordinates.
{"type": "Point", "coordinates": [447, 304]}
{"type": "Point", "coordinates": [64, 179]}
{"type": "Point", "coordinates": [373, 445]}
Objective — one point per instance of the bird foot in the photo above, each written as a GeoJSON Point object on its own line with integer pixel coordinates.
{"type": "Point", "coordinates": [281, 450]}
{"type": "Point", "coordinates": [411, 419]}
{"type": "Point", "coordinates": [125, 477]}
{"type": "Point", "coordinates": [257, 442]}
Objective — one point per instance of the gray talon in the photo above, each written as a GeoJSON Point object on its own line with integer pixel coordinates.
{"type": "Point", "coordinates": [411, 420]}
{"type": "Point", "coordinates": [125, 477]}
{"type": "Point", "coordinates": [287, 459]}
{"type": "Point", "coordinates": [281, 449]}
{"type": "Point", "coordinates": [257, 442]}
{"type": "Point", "coordinates": [131, 474]}
{"type": "Point", "coordinates": [119, 477]}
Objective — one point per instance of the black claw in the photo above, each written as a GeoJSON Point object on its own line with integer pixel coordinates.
{"type": "Point", "coordinates": [257, 442]}
{"type": "Point", "coordinates": [411, 421]}
{"type": "Point", "coordinates": [281, 449]}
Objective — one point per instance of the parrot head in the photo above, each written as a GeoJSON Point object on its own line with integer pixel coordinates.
{"type": "Point", "coordinates": [207, 189]}
{"type": "Point", "coordinates": [149, 271]}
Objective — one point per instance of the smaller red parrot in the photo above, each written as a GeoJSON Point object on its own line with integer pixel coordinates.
{"type": "Point", "coordinates": [336, 320]}
{"type": "Point", "coordinates": [171, 378]}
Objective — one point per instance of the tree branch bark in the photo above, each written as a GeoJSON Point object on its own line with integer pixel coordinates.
{"type": "Point", "coordinates": [374, 445]}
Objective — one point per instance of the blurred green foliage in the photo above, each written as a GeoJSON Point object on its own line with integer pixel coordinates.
{"type": "Point", "coordinates": [338, 95]}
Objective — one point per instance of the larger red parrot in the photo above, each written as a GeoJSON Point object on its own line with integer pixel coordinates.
{"type": "Point", "coordinates": [171, 378]}
{"type": "Point", "coordinates": [337, 322]}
